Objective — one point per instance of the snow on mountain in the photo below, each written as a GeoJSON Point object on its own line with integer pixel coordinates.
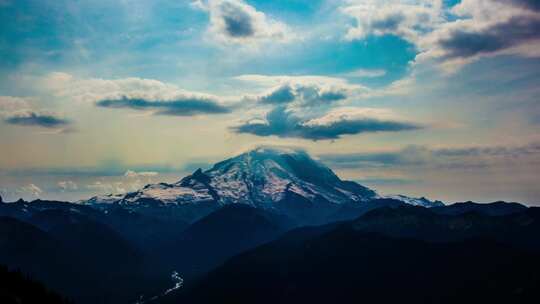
{"type": "Point", "coordinates": [261, 177]}
{"type": "Point", "coordinates": [422, 201]}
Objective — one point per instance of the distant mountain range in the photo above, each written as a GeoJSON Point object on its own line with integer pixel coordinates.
{"type": "Point", "coordinates": [403, 255]}
{"type": "Point", "coordinates": [273, 226]}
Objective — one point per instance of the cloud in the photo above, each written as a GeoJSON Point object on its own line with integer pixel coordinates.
{"type": "Point", "coordinates": [177, 107]}
{"type": "Point", "coordinates": [453, 157]}
{"type": "Point", "coordinates": [283, 94]}
{"type": "Point", "coordinates": [67, 186]}
{"type": "Point", "coordinates": [303, 94]}
{"type": "Point", "coordinates": [106, 188]}
{"type": "Point", "coordinates": [41, 119]}
{"type": "Point", "coordinates": [136, 94]}
{"type": "Point", "coordinates": [313, 107]}
{"type": "Point", "coordinates": [282, 122]}
{"type": "Point", "coordinates": [11, 104]}
{"type": "Point", "coordinates": [18, 111]}
{"type": "Point", "coordinates": [366, 73]}
{"type": "Point", "coordinates": [271, 81]}
{"type": "Point", "coordinates": [452, 36]}
{"type": "Point", "coordinates": [470, 42]}
{"type": "Point", "coordinates": [131, 173]}
{"type": "Point", "coordinates": [303, 91]}
{"type": "Point", "coordinates": [484, 28]}
{"type": "Point", "coordinates": [530, 4]}
{"type": "Point", "coordinates": [30, 189]}
{"type": "Point", "coordinates": [408, 20]}
{"type": "Point", "coordinates": [234, 21]}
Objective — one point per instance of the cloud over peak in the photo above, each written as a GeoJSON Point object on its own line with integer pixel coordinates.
{"type": "Point", "coordinates": [283, 122]}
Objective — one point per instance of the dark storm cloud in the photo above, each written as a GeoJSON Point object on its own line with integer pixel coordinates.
{"type": "Point", "coordinates": [41, 119]}
{"type": "Point", "coordinates": [178, 107]}
{"type": "Point", "coordinates": [282, 123]}
{"type": "Point", "coordinates": [516, 31]}
{"type": "Point", "coordinates": [238, 23]}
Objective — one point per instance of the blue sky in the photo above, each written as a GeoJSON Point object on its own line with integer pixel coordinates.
{"type": "Point", "coordinates": [435, 98]}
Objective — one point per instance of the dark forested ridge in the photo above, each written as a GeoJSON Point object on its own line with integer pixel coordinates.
{"type": "Point", "coordinates": [18, 288]}
{"type": "Point", "coordinates": [386, 256]}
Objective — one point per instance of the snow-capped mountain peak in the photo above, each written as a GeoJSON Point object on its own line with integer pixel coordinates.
{"type": "Point", "coordinates": [260, 177]}
{"type": "Point", "coordinates": [264, 177]}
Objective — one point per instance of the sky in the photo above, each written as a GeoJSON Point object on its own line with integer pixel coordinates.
{"type": "Point", "coordinates": [435, 98]}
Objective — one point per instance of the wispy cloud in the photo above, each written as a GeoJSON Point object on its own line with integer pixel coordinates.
{"type": "Point", "coordinates": [67, 186]}
{"type": "Point", "coordinates": [177, 107]}
{"type": "Point", "coordinates": [131, 173]}
{"type": "Point", "coordinates": [418, 156]}
{"type": "Point", "coordinates": [41, 119]}
{"type": "Point", "coordinates": [19, 111]}
{"type": "Point", "coordinates": [366, 73]}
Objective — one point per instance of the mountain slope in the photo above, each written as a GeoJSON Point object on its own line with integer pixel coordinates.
{"type": "Point", "coordinates": [259, 178]}
{"type": "Point", "coordinates": [224, 233]}
{"type": "Point", "coordinates": [16, 288]}
{"type": "Point", "coordinates": [340, 264]}
{"type": "Point", "coordinates": [283, 180]}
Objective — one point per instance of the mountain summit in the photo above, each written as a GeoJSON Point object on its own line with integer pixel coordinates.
{"type": "Point", "coordinates": [260, 177]}
{"type": "Point", "coordinates": [280, 179]}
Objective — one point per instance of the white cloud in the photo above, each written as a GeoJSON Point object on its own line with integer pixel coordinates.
{"type": "Point", "coordinates": [18, 111]}
{"type": "Point", "coordinates": [95, 89]}
{"type": "Point", "coordinates": [107, 188]}
{"type": "Point", "coordinates": [31, 190]}
{"type": "Point", "coordinates": [366, 73]}
{"type": "Point", "coordinates": [236, 22]}
{"type": "Point", "coordinates": [131, 173]}
{"type": "Point", "coordinates": [11, 104]}
{"type": "Point", "coordinates": [67, 186]}
{"type": "Point", "coordinates": [407, 19]}
{"type": "Point", "coordinates": [137, 94]}
{"type": "Point", "coordinates": [483, 28]}
{"type": "Point", "coordinates": [350, 113]}
{"type": "Point", "coordinates": [454, 36]}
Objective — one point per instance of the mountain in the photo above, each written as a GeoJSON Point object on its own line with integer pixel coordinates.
{"type": "Point", "coordinates": [285, 180]}
{"type": "Point", "coordinates": [515, 229]}
{"type": "Point", "coordinates": [77, 256]}
{"type": "Point", "coordinates": [416, 201]}
{"type": "Point", "coordinates": [17, 288]}
{"type": "Point", "coordinates": [260, 178]}
{"type": "Point", "coordinates": [222, 234]}
{"type": "Point", "coordinates": [493, 209]}
{"type": "Point", "coordinates": [353, 263]}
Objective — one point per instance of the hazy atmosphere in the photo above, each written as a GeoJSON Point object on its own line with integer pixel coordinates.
{"type": "Point", "coordinates": [424, 98]}
{"type": "Point", "coordinates": [269, 151]}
